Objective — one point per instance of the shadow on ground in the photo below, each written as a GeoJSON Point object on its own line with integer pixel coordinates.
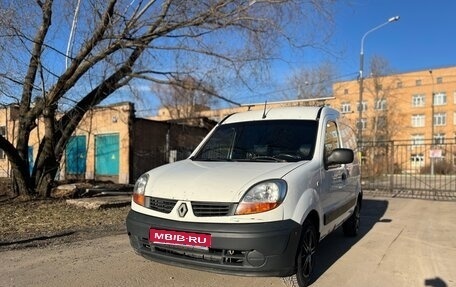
{"type": "Point", "coordinates": [435, 282]}
{"type": "Point", "coordinates": [335, 245]}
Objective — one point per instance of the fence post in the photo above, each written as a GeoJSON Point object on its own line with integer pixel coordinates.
{"type": "Point", "coordinates": [390, 146]}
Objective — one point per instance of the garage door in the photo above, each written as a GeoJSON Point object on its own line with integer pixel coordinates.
{"type": "Point", "coordinates": [107, 155]}
{"type": "Point", "coordinates": [76, 155]}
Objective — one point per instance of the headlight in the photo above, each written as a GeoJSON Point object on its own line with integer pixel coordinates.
{"type": "Point", "coordinates": [262, 197]}
{"type": "Point", "coordinates": [140, 189]}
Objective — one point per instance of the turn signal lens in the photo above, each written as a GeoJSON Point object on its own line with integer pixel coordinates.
{"type": "Point", "coordinates": [139, 199]}
{"type": "Point", "coordinates": [250, 208]}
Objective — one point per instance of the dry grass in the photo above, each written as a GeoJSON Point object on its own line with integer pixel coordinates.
{"type": "Point", "coordinates": [48, 220]}
{"type": "Point", "coordinates": [21, 220]}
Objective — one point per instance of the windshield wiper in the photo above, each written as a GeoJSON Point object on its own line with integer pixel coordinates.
{"type": "Point", "coordinates": [267, 159]}
{"type": "Point", "coordinates": [212, 159]}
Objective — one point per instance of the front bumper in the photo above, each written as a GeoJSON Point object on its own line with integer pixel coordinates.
{"type": "Point", "coordinates": [252, 249]}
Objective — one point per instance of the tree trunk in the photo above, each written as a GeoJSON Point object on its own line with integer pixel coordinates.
{"type": "Point", "coordinates": [44, 184]}
{"type": "Point", "coordinates": [21, 183]}
{"type": "Point", "coordinates": [45, 169]}
{"type": "Point", "coordinates": [46, 165]}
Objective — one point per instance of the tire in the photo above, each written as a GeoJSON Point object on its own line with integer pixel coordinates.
{"type": "Point", "coordinates": [351, 226]}
{"type": "Point", "coordinates": [305, 261]}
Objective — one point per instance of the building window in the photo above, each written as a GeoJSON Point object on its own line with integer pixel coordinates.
{"type": "Point", "coordinates": [382, 122]}
{"type": "Point", "coordinates": [418, 100]}
{"type": "Point", "coordinates": [418, 139]}
{"type": "Point", "coordinates": [417, 159]}
{"type": "Point", "coordinates": [439, 138]}
{"type": "Point", "coordinates": [345, 107]}
{"type": "Point", "coordinates": [364, 106]}
{"type": "Point", "coordinates": [439, 80]}
{"type": "Point", "coordinates": [440, 99]}
{"type": "Point", "coordinates": [380, 104]}
{"type": "Point", "coordinates": [345, 91]}
{"type": "Point", "coordinates": [418, 82]}
{"type": "Point", "coordinates": [3, 134]}
{"type": "Point", "coordinates": [417, 121]}
{"type": "Point", "coordinates": [363, 123]}
{"type": "Point", "coordinates": [440, 119]}
{"type": "Point", "coordinates": [399, 85]}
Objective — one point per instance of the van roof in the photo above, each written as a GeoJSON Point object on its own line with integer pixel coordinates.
{"type": "Point", "coordinates": [285, 113]}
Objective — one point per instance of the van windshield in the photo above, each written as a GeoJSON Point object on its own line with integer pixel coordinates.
{"type": "Point", "coordinates": [268, 141]}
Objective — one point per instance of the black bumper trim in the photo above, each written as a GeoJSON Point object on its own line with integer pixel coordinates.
{"type": "Point", "coordinates": [250, 249]}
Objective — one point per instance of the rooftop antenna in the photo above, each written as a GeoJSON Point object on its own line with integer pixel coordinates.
{"type": "Point", "coordinates": [264, 111]}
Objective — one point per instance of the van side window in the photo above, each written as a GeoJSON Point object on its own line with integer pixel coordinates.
{"type": "Point", "coordinates": [331, 138]}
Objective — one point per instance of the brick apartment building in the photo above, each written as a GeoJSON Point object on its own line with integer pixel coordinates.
{"type": "Point", "coordinates": [407, 99]}
{"type": "Point", "coordinates": [415, 109]}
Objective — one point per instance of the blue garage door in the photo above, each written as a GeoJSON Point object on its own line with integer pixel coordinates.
{"type": "Point", "coordinates": [30, 159]}
{"type": "Point", "coordinates": [107, 154]}
{"type": "Point", "coordinates": [76, 155]}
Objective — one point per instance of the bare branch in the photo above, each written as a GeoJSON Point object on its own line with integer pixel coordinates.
{"type": "Point", "coordinates": [189, 50]}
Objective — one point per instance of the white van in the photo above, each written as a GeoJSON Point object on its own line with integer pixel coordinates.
{"type": "Point", "coordinates": [254, 198]}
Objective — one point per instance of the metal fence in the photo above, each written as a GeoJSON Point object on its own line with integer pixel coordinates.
{"type": "Point", "coordinates": [404, 169]}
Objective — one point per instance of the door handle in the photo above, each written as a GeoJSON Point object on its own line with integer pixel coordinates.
{"type": "Point", "coordinates": [344, 176]}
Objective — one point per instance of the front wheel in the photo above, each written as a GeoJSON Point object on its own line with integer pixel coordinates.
{"type": "Point", "coordinates": [351, 226]}
{"type": "Point", "coordinates": [305, 261]}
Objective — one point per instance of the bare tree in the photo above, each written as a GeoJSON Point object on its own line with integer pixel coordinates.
{"type": "Point", "coordinates": [380, 87]}
{"type": "Point", "coordinates": [61, 58]}
{"type": "Point", "coordinates": [185, 98]}
{"type": "Point", "coordinates": [382, 117]}
{"type": "Point", "coordinates": [313, 82]}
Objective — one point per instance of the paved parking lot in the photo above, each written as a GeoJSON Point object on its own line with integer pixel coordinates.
{"type": "Point", "coordinates": [403, 242]}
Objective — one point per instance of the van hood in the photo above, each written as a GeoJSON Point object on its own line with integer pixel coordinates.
{"type": "Point", "coordinates": [212, 181]}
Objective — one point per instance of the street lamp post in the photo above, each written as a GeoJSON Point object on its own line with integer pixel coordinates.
{"type": "Point", "coordinates": [432, 122]}
{"type": "Point", "coordinates": [361, 79]}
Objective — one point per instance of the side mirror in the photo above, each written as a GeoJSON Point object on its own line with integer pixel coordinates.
{"type": "Point", "coordinates": [340, 156]}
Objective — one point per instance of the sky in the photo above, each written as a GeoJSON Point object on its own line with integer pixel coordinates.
{"type": "Point", "coordinates": [423, 38]}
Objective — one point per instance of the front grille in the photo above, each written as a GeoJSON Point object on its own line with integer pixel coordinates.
{"type": "Point", "coordinates": [161, 205]}
{"type": "Point", "coordinates": [214, 256]}
{"type": "Point", "coordinates": [200, 209]}
{"type": "Point", "coordinates": [205, 209]}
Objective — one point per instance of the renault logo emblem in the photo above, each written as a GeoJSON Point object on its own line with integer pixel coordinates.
{"type": "Point", "coordinates": [182, 210]}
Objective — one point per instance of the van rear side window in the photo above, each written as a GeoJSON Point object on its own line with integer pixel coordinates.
{"type": "Point", "coordinates": [269, 141]}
